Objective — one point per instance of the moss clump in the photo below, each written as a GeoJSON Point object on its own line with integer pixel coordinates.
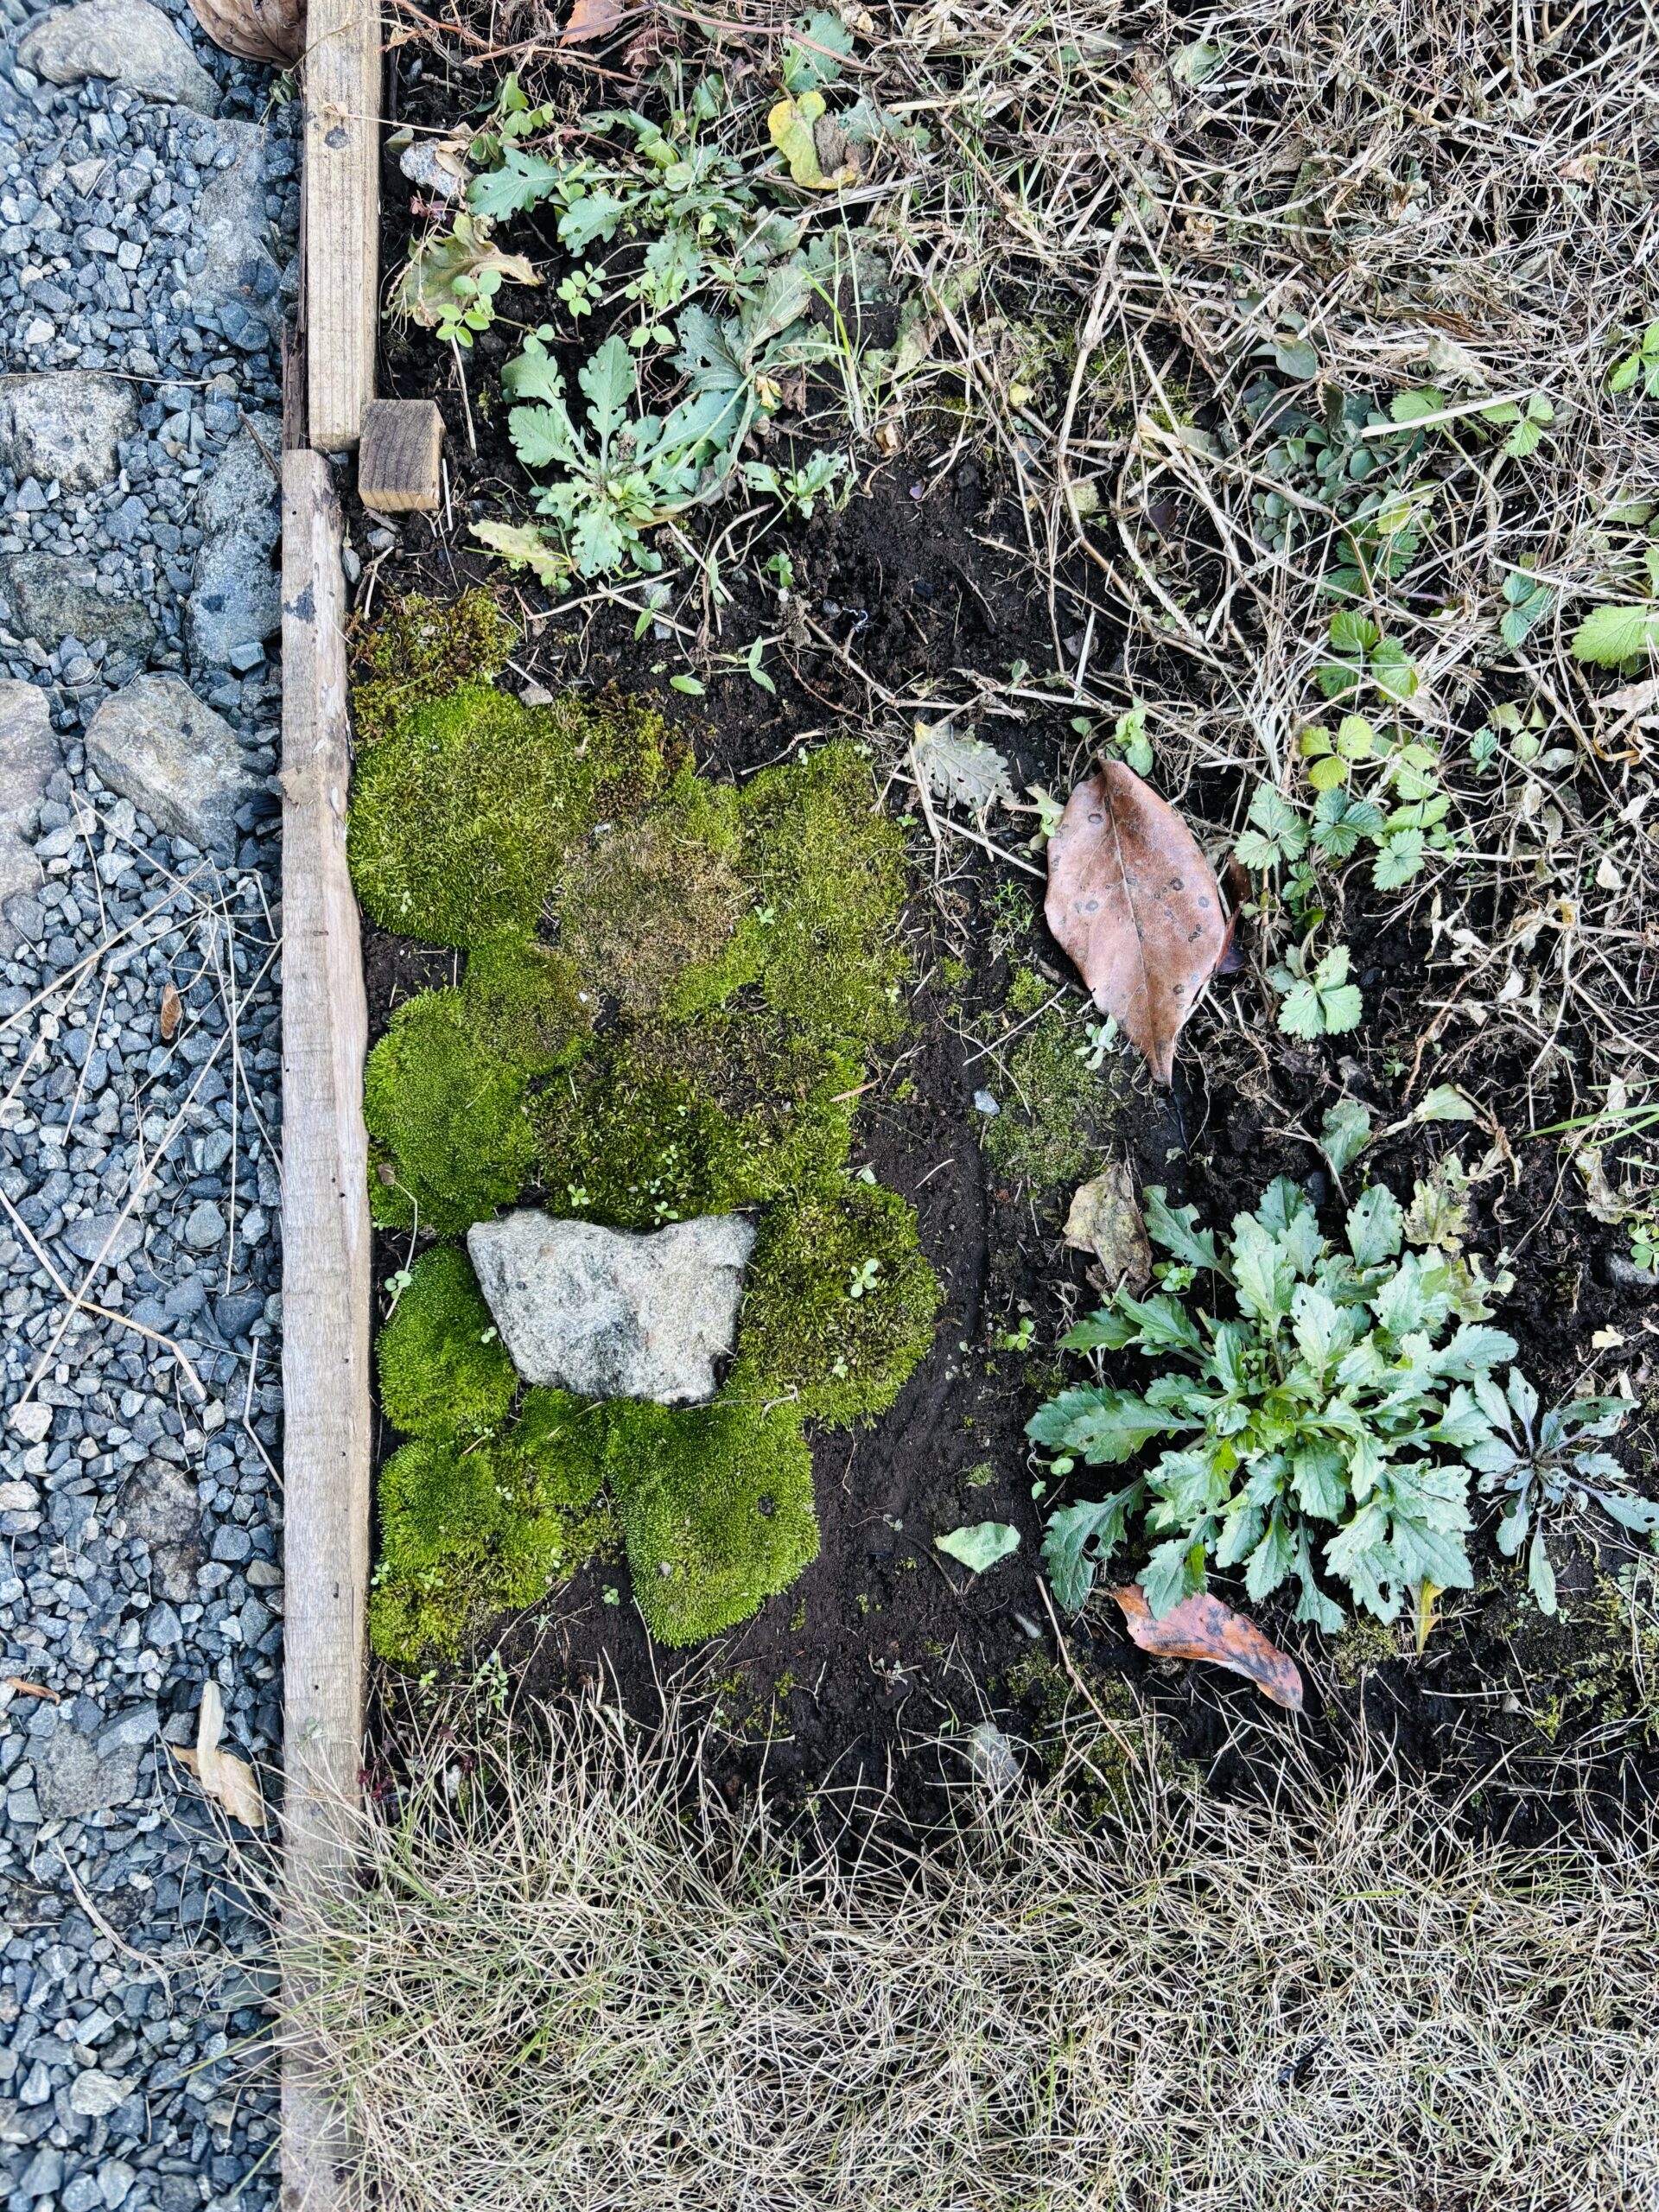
{"type": "Point", "coordinates": [463, 812]}
{"type": "Point", "coordinates": [664, 1123]}
{"type": "Point", "coordinates": [469, 1528]}
{"type": "Point", "coordinates": [1050, 1103]}
{"type": "Point", "coordinates": [522, 1000]}
{"type": "Point", "coordinates": [717, 1507]}
{"type": "Point", "coordinates": [422, 649]}
{"type": "Point", "coordinates": [692, 1040]}
{"type": "Point", "coordinates": [651, 904]}
{"type": "Point", "coordinates": [443, 1368]}
{"type": "Point", "coordinates": [450, 1142]}
{"type": "Point", "coordinates": [826, 872]}
{"type": "Point", "coordinates": [840, 1303]}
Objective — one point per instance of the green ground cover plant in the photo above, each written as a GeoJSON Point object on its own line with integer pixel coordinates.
{"type": "Point", "coordinates": [1338, 1415]}
{"type": "Point", "coordinates": [688, 235]}
{"type": "Point", "coordinates": [1332, 1425]}
{"type": "Point", "coordinates": [671, 992]}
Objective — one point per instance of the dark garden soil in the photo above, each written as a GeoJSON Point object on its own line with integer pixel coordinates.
{"type": "Point", "coordinates": [885, 1649]}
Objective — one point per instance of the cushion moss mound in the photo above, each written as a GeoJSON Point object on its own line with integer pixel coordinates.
{"type": "Point", "coordinates": [670, 993]}
{"type": "Point", "coordinates": [463, 812]}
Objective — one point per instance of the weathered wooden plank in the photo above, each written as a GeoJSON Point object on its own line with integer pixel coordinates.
{"type": "Point", "coordinates": [342, 214]}
{"type": "Point", "coordinates": [326, 1263]}
{"type": "Point", "coordinates": [398, 462]}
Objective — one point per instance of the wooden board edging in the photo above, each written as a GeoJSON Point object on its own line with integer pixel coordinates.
{"type": "Point", "coordinates": [326, 1268]}
{"type": "Point", "coordinates": [341, 221]}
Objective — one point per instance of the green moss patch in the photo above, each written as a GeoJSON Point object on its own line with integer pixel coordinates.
{"type": "Point", "coordinates": [441, 1365]}
{"type": "Point", "coordinates": [665, 1121]}
{"type": "Point", "coordinates": [670, 993]}
{"type": "Point", "coordinates": [1050, 1102]}
{"type": "Point", "coordinates": [463, 813]}
{"type": "Point", "coordinates": [646, 907]}
{"type": "Point", "coordinates": [840, 1303]}
{"type": "Point", "coordinates": [423, 649]}
{"type": "Point", "coordinates": [716, 1506]}
{"type": "Point", "coordinates": [450, 1140]}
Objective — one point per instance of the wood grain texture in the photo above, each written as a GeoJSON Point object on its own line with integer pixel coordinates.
{"type": "Point", "coordinates": [397, 461]}
{"type": "Point", "coordinates": [342, 214]}
{"type": "Point", "coordinates": [326, 1262]}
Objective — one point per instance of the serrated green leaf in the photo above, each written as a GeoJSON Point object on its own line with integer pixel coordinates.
{"type": "Point", "coordinates": [1376, 1225]}
{"type": "Point", "coordinates": [1071, 1530]}
{"type": "Point", "coordinates": [1608, 635]}
{"type": "Point", "coordinates": [1344, 1132]}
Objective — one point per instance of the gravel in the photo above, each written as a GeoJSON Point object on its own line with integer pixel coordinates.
{"type": "Point", "coordinates": [146, 259]}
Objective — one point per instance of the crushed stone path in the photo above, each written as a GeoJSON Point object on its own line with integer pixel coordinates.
{"type": "Point", "coordinates": [148, 202]}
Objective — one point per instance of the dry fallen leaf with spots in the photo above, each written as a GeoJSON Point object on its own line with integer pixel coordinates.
{"type": "Point", "coordinates": [1136, 904]}
{"type": "Point", "coordinates": [229, 1781]}
{"type": "Point", "coordinates": [1201, 1627]}
{"type": "Point", "coordinates": [1106, 1219]}
{"type": "Point", "coordinates": [172, 1009]}
{"type": "Point", "coordinates": [591, 19]}
{"type": "Point", "coordinates": [257, 30]}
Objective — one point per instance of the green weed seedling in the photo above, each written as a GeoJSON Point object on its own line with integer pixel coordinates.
{"type": "Point", "coordinates": [1541, 1465]}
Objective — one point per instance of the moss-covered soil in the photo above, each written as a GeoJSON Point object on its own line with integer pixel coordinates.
{"type": "Point", "coordinates": [882, 1647]}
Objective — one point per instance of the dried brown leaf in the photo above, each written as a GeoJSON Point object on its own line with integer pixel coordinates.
{"type": "Point", "coordinates": [1105, 1219]}
{"type": "Point", "coordinates": [257, 30]}
{"type": "Point", "coordinates": [1134, 902]}
{"type": "Point", "coordinates": [172, 1012]}
{"type": "Point", "coordinates": [591, 19]}
{"type": "Point", "coordinates": [229, 1781]}
{"type": "Point", "coordinates": [1201, 1627]}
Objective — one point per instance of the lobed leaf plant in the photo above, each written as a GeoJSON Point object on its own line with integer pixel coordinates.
{"type": "Point", "coordinates": [1324, 1433]}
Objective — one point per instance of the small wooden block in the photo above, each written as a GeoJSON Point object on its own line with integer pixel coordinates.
{"type": "Point", "coordinates": [398, 463]}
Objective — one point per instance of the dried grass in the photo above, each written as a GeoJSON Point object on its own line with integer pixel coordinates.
{"type": "Point", "coordinates": [588, 1986]}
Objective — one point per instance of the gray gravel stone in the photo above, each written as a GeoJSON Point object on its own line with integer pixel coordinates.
{"type": "Point", "coordinates": [156, 744]}
{"type": "Point", "coordinates": [32, 1420]}
{"type": "Point", "coordinates": [30, 755]}
{"type": "Point", "coordinates": [229, 229]}
{"type": "Point", "coordinates": [236, 603]}
{"type": "Point", "coordinates": [205, 1228]}
{"type": "Point", "coordinates": [103, 1236]}
{"type": "Point", "coordinates": [64, 425]}
{"type": "Point", "coordinates": [52, 597]}
{"type": "Point", "coordinates": [75, 1777]}
{"type": "Point", "coordinates": [160, 1505]}
{"type": "Point", "coordinates": [127, 40]}
{"type": "Point", "coordinates": [608, 1314]}
{"type": "Point", "coordinates": [95, 2095]}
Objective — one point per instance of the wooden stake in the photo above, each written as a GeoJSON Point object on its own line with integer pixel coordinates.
{"type": "Point", "coordinates": [342, 215]}
{"type": "Point", "coordinates": [325, 1266]}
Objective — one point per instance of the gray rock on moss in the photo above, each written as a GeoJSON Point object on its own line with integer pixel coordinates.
{"type": "Point", "coordinates": [126, 40]}
{"type": "Point", "coordinates": [156, 744]}
{"type": "Point", "coordinates": [30, 756]}
{"type": "Point", "coordinates": [605, 1313]}
{"type": "Point", "coordinates": [64, 425]}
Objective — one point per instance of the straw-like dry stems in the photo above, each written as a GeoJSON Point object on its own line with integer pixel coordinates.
{"type": "Point", "coordinates": [564, 1983]}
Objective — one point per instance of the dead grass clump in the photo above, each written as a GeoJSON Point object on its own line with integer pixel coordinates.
{"type": "Point", "coordinates": [580, 1985]}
